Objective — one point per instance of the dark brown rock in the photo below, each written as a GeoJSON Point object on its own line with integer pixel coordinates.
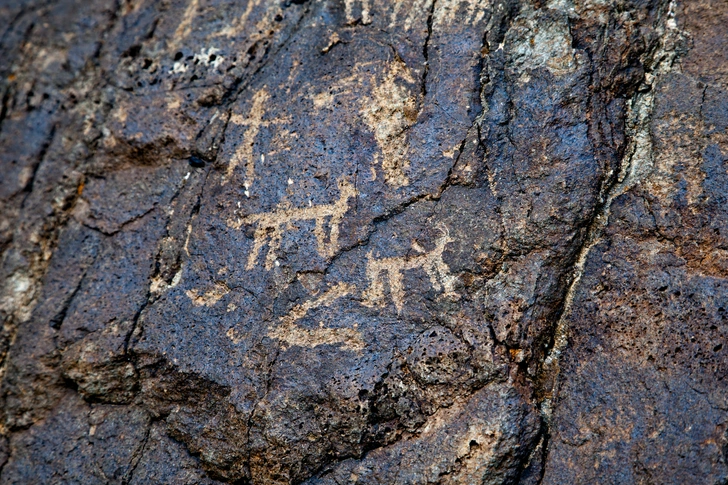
{"type": "Point", "coordinates": [362, 241]}
{"type": "Point", "coordinates": [643, 397]}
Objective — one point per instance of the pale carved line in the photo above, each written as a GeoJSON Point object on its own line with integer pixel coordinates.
{"type": "Point", "coordinates": [392, 271]}
{"type": "Point", "coordinates": [254, 121]}
{"type": "Point", "coordinates": [270, 226]}
{"type": "Point", "coordinates": [293, 334]}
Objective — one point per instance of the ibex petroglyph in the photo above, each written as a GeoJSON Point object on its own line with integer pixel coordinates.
{"type": "Point", "coordinates": [393, 268]}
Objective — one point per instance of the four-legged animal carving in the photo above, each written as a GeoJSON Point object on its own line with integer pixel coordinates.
{"type": "Point", "coordinates": [393, 269]}
{"type": "Point", "coordinates": [270, 226]}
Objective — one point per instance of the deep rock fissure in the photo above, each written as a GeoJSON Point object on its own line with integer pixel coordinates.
{"type": "Point", "coordinates": [636, 165]}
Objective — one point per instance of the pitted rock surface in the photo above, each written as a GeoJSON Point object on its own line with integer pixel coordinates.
{"type": "Point", "coordinates": [364, 241]}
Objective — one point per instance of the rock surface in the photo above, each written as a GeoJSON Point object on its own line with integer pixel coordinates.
{"type": "Point", "coordinates": [364, 241]}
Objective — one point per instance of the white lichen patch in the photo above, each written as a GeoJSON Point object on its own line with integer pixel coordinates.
{"type": "Point", "coordinates": [179, 67]}
{"type": "Point", "coordinates": [206, 57]}
{"type": "Point", "coordinates": [209, 57]}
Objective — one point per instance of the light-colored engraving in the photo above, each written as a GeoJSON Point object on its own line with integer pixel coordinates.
{"type": "Point", "coordinates": [450, 11]}
{"type": "Point", "coordinates": [210, 297]}
{"type": "Point", "coordinates": [270, 226]}
{"type": "Point", "coordinates": [290, 333]}
{"type": "Point", "coordinates": [347, 87]}
{"type": "Point", "coordinates": [416, 14]}
{"type": "Point", "coordinates": [392, 269]}
{"type": "Point", "coordinates": [254, 121]}
{"type": "Point", "coordinates": [365, 11]}
{"type": "Point", "coordinates": [184, 28]}
{"type": "Point", "coordinates": [390, 112]}
{"type": "Point", "coordinates": [333, 40]}
{"type": "Point", "coordinates": [240, 23]}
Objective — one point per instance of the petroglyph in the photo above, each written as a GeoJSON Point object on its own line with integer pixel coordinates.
{"type": "Point", "coordinates": [292, 334]}
{"type": "Point", "coordinates": [241, 21]}
{"type": "Point", "coordinates": [254, 121]}
{"type": "Point", "coordinates": [661, 166]}
{"type": "Point", "coordinates": [365, 17]}
{"type": "Point", "coordinates": [270, 226]}
{"type": "Point", "coordinates": [344, 86]}
{"type": "Point", "coordinates": [185, 26]}
{"type": "Point", "coordinates": [394, 267]}
{"type": "Point", "coordinates": [465, 11]}
{"type": "Point", "coordinates": [255, 23]}
{"type": "Point", "coordinates": [210, 297]}
{"type": "Point", "coordinates": [416, 13]}
{"type": "Point", "coordinates": [390, 112]}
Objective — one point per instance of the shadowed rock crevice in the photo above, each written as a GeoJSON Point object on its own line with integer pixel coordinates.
{"type": "Point", "coordinates": [636, 156]}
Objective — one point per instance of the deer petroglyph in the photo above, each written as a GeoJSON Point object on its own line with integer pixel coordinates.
{"type": "Point", "coordinates": [293, 334]}
{"type": "Point", "coordinates": [270, 226]}
{"type": "Point", "coordinates": [392, 270]}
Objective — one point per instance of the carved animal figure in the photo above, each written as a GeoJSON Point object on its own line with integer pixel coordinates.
{"type": "Point", "coordinates": [270, 226]}
{"type": "Point", "coordinates": [292, 334]}
{"type": "Point", "coordinates": [392, 270]}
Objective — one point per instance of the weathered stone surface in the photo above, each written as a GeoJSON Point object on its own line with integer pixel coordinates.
{"type": "Point", "coordinates": [644, 396]}
{"type": "Point", "coordinates": [363, 241]}
{"type": "Point", "coordinates": [79, 443]}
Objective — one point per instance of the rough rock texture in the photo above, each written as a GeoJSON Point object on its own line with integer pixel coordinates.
{"type": "Point", "coordinates": [364, 241]}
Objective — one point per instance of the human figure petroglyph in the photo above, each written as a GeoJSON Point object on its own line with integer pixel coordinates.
{"type": "Point", "coordinates": [388, 104]}
{"type": "Point", "coordinates": [390, 111]}
{"type": "Point", "coordinates": [393, 269]}
{"type": "Point", "coordinates": [270, 226]}
{"type": "Point", "coordinates": [293, 334]}
{"type": "Point", "coordinates": [254, 121]}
